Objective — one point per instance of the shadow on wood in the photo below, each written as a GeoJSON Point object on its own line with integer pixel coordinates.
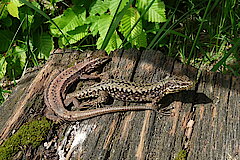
{"type": "Point", "coordinates": [204, 123]}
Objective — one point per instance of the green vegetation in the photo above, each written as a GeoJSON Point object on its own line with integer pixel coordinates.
{"type": "Point", "coordinates": [182, 155]}
{"type": "Point", "coordinates": [30, 134]}
{"type": "Point", "coordinates": [204, 34]}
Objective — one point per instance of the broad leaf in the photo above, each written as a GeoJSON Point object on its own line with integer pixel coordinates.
{"type": "Point", "coordinates": [114, 4]}
{"type": "Point", "coordinates": [26, 15]}
{"type": "Point", "coordinates": [12, 8]}
{"type": "Point", "coordinates": [156, 12]}
{"type": "Point", "coordinates": [115, 23]}
{"type": "Point", "coordinates": [127, 22]}
{"type": "Point", "coordinates": [103, 25]}
{"type": "Point", "coordinates": [99, 7]}
{"type": "Point", "coordinates": [16, 62]}
{"type": "Point", "coordinates": [113, 43]}
{"type": "Point", "coordinates": [17, 2]}
{"type": "Point", "coordinates": [93, 20]}
{"type": "Point", "coordinates": [4, 12]}
{"type": "Point", "coordinates": [69, 20]}
{"type": "Point", "coordinates": [44, 45]}
{"type": "Point", "coordinates": [141, 40]}
{"type": "Point", "coordinates": [76, 35]}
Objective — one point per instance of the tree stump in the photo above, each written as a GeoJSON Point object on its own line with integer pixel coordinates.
{"type": "Point", "coordinates": [203, 124]}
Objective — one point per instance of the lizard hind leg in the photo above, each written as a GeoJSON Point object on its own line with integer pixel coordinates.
{"type": "Point", "coordinates": [52, 116]}
{"type": "Point", "coordinates": [95, 103]}
{"type": "Point", "coordinates": [102, 98]}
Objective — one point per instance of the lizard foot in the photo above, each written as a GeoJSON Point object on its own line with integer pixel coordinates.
{"type": "Point", "coordinates": [166, 111]}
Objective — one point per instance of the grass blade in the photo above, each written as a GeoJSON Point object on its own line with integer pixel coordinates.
{"type": "Point", "coordinates": [198, 32]}
{"type": "Point", "coordinates": [145, 11]}
{"type": "Point", "coordinates": [156, 39]}
{"type": "Point", "coordinates": [221, 62]}
{"type": "Point", "coordinates": [44, 15]}
{"type": "Point", "coordinates": [114, 24]}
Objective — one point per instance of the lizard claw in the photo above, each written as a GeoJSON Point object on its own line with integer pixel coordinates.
{"type": "Point", "coordinates": [165, 111]}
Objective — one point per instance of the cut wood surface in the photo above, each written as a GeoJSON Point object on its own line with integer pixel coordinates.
{"type": "Point", "coordinates": [204, 122]}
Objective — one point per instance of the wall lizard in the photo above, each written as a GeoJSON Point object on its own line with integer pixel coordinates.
{"type": "Point", "coordinates": [130, 91]}
{"type": "Point", "coordinates": [55, 93]}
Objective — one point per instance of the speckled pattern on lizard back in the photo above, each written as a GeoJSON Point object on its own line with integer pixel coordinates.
{"type": "Point", "coordinates": [135, 92]}
{"type": "Point", "coordinates": [55, 93]}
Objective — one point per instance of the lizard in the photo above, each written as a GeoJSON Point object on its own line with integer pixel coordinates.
{"type": "Point", "coordinates": [130, 91]}
{"type": "Point", "coordinates": [55, 93]}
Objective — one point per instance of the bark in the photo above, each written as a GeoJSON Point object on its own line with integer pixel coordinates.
{"type": "Point", "coordinates": [204, 122]}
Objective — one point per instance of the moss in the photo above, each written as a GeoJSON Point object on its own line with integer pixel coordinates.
{"type": "Point", "coordinates": [29, 134]}
{"type": "Point", "coordinates": [182, 155]}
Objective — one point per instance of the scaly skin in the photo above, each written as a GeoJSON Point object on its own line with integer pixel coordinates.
{"type": "Point", "coordinates": [55, 93]}
{"type": "Point", "coordinates": [134, 92]}
{"type": "Point", "coordinates": [130, 91]}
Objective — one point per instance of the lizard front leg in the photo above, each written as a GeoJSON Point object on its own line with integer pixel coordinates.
{"type": "Point", "coordinates": [92, 76]}
{"type": "Point", "coordinates": [155, 104]}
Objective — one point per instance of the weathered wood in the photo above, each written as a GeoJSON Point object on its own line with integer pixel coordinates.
{"type": "Point", "coordinates": [204, 123]}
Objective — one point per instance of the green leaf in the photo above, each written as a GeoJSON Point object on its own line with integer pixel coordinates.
{"type": "Point", "coordinates": [17, 2]}
{"type": "Point", "coordinates": [20, 56]}
{"type": "Point", "coordinates": [41, 13]}
{"type": "Point", "coordinates": [127, 22]}
{"type": "Point", "coordinates": [12, 8]}
{"type": "Point", "coordinates": [99, 7]}
{"type": "Point", "coordinates": [76, 35]}
{"type": "Point", "coordinates": [3, 67]}
{"type": "Point", "coordinates": [226, 55]}
{"type": "Point", "coordinates": [7, 21]}
{"type": "Point", "coordinates": [44, 45]}
{"type": "Point", "coordinates": [26, 15]}
{"type": "Point", "coordinates": [16, 62]}
{"type": "Point", "coordinates": [113, 43]}
{"type": "Point", "coordinates": [93, 20]}
{"type": "Point", "coordinates": [139, 19]}
{"type": "Point", "coordinates": [114, 23]}
{"type": "Point", "coordinates": [114, 4]}
{"type": "Point", "coordinates": [141, 40]}
{"type": "Point", "coordinates": [3, 11]}
{"type": "Point", "coordinates": [103, 25]}
{"type": "Point", "coordinates": [160, 34]}
{"type": "Point", "coordinates": [5, 39]}
{"type": "Point", "coordinates": [156, 12]}
{"type": "Point", "coordinates": [68, 21]}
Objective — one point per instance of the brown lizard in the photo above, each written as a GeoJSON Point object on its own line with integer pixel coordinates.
{"type": "Point", "coordinates": [129, 91]}
{"type": "Point", "coordinates": [56, 91]}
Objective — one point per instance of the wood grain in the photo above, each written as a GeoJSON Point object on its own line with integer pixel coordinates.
{"type": "Point", "coordinates": [204, 122]}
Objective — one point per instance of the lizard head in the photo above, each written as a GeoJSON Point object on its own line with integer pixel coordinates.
{"type": "Point", "coordinates": [175, 84]}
